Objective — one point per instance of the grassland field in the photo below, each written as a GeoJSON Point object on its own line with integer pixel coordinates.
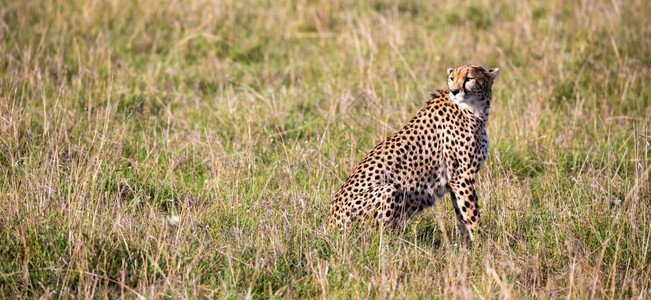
{"type": "Point", "coordinates": [190, 149]}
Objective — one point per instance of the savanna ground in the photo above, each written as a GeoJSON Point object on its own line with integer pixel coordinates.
{"type": "Point", "coordinates": [242, 118]}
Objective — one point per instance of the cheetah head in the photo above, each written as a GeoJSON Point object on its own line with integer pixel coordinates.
{"type": "Point", "coordinates": [471, 87]}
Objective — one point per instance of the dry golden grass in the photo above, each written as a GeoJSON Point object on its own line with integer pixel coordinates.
{"type": "Point", "coordinates": [191, 148]}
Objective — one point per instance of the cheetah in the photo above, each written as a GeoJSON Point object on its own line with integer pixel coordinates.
{"type": "Point", "coordinates": [440, 150]}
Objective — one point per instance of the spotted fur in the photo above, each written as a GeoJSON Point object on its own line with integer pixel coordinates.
{"type": "Point", "coordinates": [440, 150]}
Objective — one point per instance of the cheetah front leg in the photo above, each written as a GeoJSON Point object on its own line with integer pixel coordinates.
{"type": "Point", "coordinates": [466, 206]}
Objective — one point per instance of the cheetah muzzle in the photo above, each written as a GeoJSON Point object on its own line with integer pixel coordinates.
{"type": "Point", "coordinates": [440, 150]}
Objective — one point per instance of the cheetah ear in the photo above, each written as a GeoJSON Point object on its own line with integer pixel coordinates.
{"type": "Point", "coordinates": [492, 73]}
{"type": "Point", "coordinates": [450, 70]}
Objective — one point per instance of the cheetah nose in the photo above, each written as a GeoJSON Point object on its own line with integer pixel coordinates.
{"type": "Point", "coordinates": [454, 92]}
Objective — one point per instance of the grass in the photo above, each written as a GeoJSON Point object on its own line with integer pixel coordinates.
{"type": "Point", "coordinates": [242, 118]}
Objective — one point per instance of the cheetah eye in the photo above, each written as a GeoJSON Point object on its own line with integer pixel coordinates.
{"type": "Point", "coordinates": [451, 79]}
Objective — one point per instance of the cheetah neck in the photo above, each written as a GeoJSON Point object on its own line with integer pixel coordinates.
{"type": "Point", "coordinates": [475, 112]}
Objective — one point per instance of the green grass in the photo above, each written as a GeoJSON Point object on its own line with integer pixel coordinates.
{"type": "Point", "coordinates": [244, 117]}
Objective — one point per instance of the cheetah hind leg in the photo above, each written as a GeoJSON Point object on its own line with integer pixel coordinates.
{"type": "Point", "coordinates": [388, 209]}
